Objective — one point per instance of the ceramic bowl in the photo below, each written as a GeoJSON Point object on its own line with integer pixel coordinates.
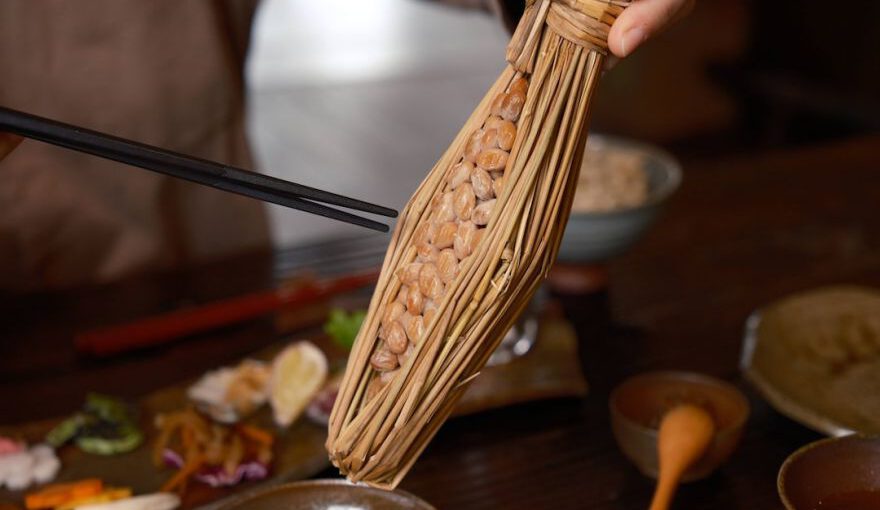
{"type": "Point", "coordinates": [841, 473]}
{"type": "Point", "coordinates": [592, 237]}
{"type": "Point", "coordinates": [325, 495]}
{"type": "Point", "coordinates": [639, 403]}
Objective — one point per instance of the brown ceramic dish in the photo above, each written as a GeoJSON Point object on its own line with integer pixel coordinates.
{"type": "Point", "coordinates": [325, 495]}
{"type": "Point", "coordinates": [640, 402]}
{"type": "Point", "coordinates": [833, 474]}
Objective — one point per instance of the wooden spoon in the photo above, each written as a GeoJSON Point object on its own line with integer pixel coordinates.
{"type": "Point", "coordinates": [685, 433]}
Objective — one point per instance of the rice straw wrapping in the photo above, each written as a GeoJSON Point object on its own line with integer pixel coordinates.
{"type": "Point", "coordinates": [499, 238]}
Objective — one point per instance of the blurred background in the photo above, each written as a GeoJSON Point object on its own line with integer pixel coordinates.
{"type": "Point", "coordinates": [363, 98]}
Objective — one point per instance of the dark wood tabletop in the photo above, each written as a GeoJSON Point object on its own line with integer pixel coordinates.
{"type": "Point", "coordinates": [741, 232]}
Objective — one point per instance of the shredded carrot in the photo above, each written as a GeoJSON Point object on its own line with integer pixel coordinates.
{"type": "Point", "coordinates": [167, 424]}
{"type": "Point", "coordinates": [182, 474]}
{"type": "Point", "coordinates": [200, 427]}
{"type": "Point", "coordinates": [233, 455]}
{"type": "Point", "coordinates": [257, 434]}
{"type": "Point", "coordinates": [188, 438]}
{"type": "Point", "coordinates": [201, 443]}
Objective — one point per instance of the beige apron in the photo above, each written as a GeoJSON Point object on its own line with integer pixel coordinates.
{"type": "Point", "coordinates": [164, 72]}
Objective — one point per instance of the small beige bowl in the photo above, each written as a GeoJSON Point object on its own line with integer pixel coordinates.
{"type": "Point", "coordinates": [639, 403]}
{"type": "Point", "coordinates": [835, 473]}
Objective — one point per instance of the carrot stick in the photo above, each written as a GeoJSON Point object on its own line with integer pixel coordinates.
{"type": "Point", "coordinates": [61, 493]}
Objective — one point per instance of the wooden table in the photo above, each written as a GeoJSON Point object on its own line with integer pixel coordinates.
{"type": "Point", "coordinates": [741, 233]}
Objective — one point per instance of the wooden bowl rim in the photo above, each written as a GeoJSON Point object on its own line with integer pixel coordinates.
{"type": "Point", "coordinates": [807, 448]}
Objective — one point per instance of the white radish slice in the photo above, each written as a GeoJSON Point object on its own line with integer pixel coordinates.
{"type": "Point", "coordinates": [42, 451]}
{"type": "Point", "coordinates": [46, 468]}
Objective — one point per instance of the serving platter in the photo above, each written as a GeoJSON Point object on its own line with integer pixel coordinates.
{"type": "Point", "coordinates": [815, 357]}
{"type": "Point", "coordinates": [549, 370]}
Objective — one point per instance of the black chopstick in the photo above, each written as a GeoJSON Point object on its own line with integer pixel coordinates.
{"type": "Point", "coordinates": [216, 175]}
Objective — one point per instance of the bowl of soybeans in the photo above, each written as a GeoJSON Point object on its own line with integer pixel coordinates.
{"type": "Point", "coordinates": [622, 187]}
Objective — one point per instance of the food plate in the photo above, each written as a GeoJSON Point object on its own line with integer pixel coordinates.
{"type": "Point", "coordinates": [815, 357]}
{"type": "Point", "coordinates": [299, 454]}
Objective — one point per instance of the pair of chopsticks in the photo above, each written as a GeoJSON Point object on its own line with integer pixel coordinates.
{"type": "Point", "coordinates": [216, 175]}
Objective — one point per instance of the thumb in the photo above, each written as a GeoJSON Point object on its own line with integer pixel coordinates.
{"type": "Point", "coordinates": [642, 20]}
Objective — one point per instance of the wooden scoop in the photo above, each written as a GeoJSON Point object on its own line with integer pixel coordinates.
{"type": "Point", "coordinates": [685, 433]}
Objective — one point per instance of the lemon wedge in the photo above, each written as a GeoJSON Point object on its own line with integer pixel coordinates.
{"type": "Point", "coordinates": [298, 372]}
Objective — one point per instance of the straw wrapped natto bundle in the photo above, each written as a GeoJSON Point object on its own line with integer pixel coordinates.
{"type": "Point", "coordinates": [473, 244]}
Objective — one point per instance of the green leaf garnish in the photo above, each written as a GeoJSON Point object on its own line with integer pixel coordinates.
{"type": "Point", "coordinates": [343, 327]}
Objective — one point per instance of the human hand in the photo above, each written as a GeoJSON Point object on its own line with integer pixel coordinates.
{"type": "Point", "coordinates": [8, 142]}
{"type": "Point", "coordinates": [641, 21]}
